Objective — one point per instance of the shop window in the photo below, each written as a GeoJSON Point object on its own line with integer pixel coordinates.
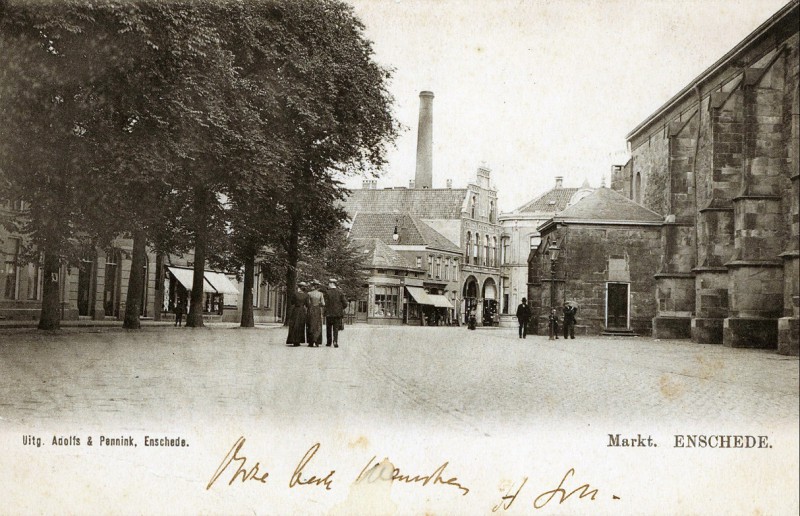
{"type": "Point", "coordinates": [9, 261]}
{"type": "Point", "coordinates": [387, 302]}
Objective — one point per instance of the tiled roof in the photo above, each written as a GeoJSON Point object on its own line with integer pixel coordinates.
{"type": "Point", "coordinates": [411, 229]}
{"type": "Point", "coordinates": [378, 255]}
{"type": "Point", "coordinates": [427, 203]}
{"type": "Point", "coordinates": [552, 201]}
{"type": "Point", "coordinates": [605, 204]}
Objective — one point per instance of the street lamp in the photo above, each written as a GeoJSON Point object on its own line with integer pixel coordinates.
{"type": "Point", "coordinates": [553, 251]}
{"type": "Point", "coordinates": [396, 234]}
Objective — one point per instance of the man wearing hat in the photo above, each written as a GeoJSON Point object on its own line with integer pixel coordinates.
{"type": "Point", "coordinates": [335, 304]}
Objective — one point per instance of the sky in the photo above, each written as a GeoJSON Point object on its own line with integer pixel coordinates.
{"type": "Point", "coordinates": [541, 88]}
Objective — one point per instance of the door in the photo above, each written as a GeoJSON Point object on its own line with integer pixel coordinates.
{"type": "Point", "coordinates": [617, 305]}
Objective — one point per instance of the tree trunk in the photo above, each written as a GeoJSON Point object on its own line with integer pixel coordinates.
{"type": "Point", "coordinates": [50, 318]}
{"type": "Point", "coordinates": [247, 296]}
{"type": "Point", "coordinates": [195, 317]}
{"type": "Point", "coordinates": [292, 256]}
{"type": "Point", "coordinates": [133, 302]}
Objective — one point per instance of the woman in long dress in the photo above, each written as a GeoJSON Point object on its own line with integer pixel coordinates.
{"type": "Point", "coordinates": [297, 316]}
{"type": "Point", "coordinates": [314, 319]}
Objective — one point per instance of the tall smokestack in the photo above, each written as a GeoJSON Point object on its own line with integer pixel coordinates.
{"type": "Point", "coordinates": [424, 173]}
{"type": "Point", "coordinates": [559, 182]}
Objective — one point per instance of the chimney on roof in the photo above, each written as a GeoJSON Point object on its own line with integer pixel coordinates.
{"type": "Point", "coordinates": [449, 184]}
{"type": "Point", "coordinates": [411, 184]}
{"type": "Point", "coordinates": [559, 182]}
{"type": "Point", "coordinates": [424, 173]}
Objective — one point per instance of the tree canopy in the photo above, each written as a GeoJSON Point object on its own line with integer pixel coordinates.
{"type": "Point", "coordinates": [173, 122]}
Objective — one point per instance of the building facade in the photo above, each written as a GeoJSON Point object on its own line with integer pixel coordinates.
{"type": "Point", "coordinates": [719, 161]}
{"type": "Point", "coordinates": [599, 254]}
{"type": "Point", "coordinates": [521, 236]}
{"type": "Point", "coordinates": [96, 287]}
{"type": "Point", "coordinates": [413, 271]}
{"type": "Point", "coordinates": [465, 217]}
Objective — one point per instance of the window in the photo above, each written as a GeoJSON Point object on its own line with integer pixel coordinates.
{"type": "Point", "coordinates": [491, 211]}
{"type": "Point", "coordinates": [486, 251]}
{"type": "Point", "coordinates": [268, 293]}
{"type": "Point", "coordinates": [256, 289]}
{"type": "Point", "coordinates": [430, 266]}
{"type": "Point", "coordinates": [454, 272]}
{"type": "Point", "coordinates": [438, 266]}
{"type": "Point", "coordinates": [34, 277]}
{"type": "Point", "coordinates": [506, 257]}
{"type": "Point", "coordinates": [476, 249]}
{"type": "Point", "coordinates": [472, 207]}
{"type": "Point", "coordinates": [494, 252]}
{"type": "Point", "coordinates": [447, 269]}
{"type": "Point", "coordinates": [9, 261]}
{"type": "Point", "coordinates": [386, 302]}
{"type": "Point", "coordinates": [419, 262]}
{"type": "Point", "coordinates": [469, 244]}
{"type": "Point", "coordinates": [637, 188]}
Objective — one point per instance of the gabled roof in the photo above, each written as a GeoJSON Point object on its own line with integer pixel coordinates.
{"type": "Point", "coordinates": [412, 230]}
{"type": "Point", "coordinates": [606, 205]}
{"type": "Point", "coordinates": [378, 255]}
{"type": "Point", "coordinates": [552, 201]}
{"type": "Point", "coordinates": [426, 203]}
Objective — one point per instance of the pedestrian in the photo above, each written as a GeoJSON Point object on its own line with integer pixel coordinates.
{"type": "Point", "coordinates": [472, 320]}
{"type": "Point", "coordinates": [335, 303]}
{"type": "Point", "coordinates": [179, 310]}
{"type": "Point", "coordinates": [523, 316]}
{"type": "Point", "coordinates": [553, 323]}
{"type": "Point", "coordinates": [569, 320]}
{"type": "Point", "coordinates": [315, 315]}
{"type": "Point", "coordinates": [297, 316]}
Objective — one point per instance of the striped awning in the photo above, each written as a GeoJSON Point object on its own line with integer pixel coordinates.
{"type": "Point", "coordinates": [214, 282]}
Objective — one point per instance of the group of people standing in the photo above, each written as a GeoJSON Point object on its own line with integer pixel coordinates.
{"type": "Point", "coordinates": [311, 309]}
{"type": "Point", "coordinates": [570, 312]}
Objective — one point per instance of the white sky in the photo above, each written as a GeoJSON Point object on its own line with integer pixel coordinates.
{"type": "Point", "coordinates": [537, 89]}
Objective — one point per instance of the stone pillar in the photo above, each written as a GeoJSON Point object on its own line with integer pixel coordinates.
{"type": "Point", "coordinates": [711, 277]}
{"type": "Point", "coordinates": [789, 324]}
{"type": "Point", "coordinates": [756, 273]}
{"type": "Point", "coordinates": [675, 292]}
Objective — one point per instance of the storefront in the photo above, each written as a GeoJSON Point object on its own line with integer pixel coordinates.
{"type": "Point", "coordinates": [180, 282]}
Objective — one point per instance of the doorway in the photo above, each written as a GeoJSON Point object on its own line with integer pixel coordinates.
{"type": "Point", "coordinates": [618, 305]}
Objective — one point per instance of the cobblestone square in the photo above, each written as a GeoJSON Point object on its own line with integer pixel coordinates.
{"type": "Point", "coordinates": [482, 396]}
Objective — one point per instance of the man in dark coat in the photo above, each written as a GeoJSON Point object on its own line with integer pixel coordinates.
{"type": "Point", "coordinates": [569, 320]}
{"type": "Point", "coordinates": [523, 316]}
{"type": "Point", "coordinates": [335, 304]}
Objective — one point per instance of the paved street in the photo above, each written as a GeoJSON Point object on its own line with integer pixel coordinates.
{"type": "Point", "coordinates": [472, 379]}
{"type": "Point", "coordinates": [386, 390]}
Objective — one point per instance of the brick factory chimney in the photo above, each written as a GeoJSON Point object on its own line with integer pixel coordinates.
{"type": "Point", "coordinates": [449, 183]}
{"type": "Point", "coordinates": [559, 182]}
{"type": "Point", "coordinates": [411, 184]}
{"type": "Point", "coordinates": [424, 172]}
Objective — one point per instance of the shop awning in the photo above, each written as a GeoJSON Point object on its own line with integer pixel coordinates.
{"type": "Point", "coordinates": [419, 295]}
{"type": "Point", "coordinates": [215, 282]}
{"type": "Point", "coordinates": [440, 301]}
{"type": "Point", "coordinates": [184, 276]}
{"type": "Point", "coordinates": [221, 283]}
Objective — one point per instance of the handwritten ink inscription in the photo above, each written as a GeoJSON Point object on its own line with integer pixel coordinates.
{"type": "Point", "coordinates": [236, 465]}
